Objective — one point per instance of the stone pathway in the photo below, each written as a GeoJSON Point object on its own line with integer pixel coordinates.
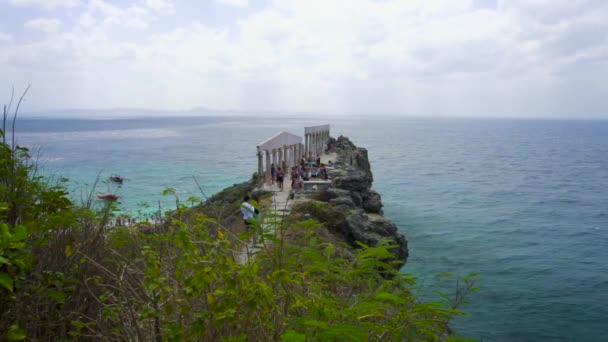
{"type": "Point", "coordinates": [281, 205]}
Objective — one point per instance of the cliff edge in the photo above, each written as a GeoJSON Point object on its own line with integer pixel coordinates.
{"type": "Point", "coordinates": [357, 209]}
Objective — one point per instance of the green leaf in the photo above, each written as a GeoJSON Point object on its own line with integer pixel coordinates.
{"type": "Point", "coordinates": [6, 281]}
{"type": "Point", "coordinates": [313, 323]}
{"type": "Point", "coordinates": [4, 261]}
{"type": "Point", "coordinates": [57, 296]}
{"type": "Point", "coordinates": [292, 336]}
{"type": "Point", "coordinates": [20, 233]}
{"type": "Point", "coordinates": [343, 333]}
{"type": "Point", "coordinates": [15, 333]}
{"type": "Point", "coordinates": [389, 297]}
{"type": "Point", "coordinates": [168, 191]}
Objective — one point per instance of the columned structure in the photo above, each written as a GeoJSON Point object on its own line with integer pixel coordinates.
{"type": "Point", "coordinates": [279, 150]}
{"type": "Point", "coordinates": [316, 138]}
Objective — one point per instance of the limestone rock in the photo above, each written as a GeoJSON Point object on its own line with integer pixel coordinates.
{"type": "Point", "coordinates": [372, 229]}
{"type": "Point", "coordinates": [352, 180]}
{"type": "Point", "coordinates": [372, 202]}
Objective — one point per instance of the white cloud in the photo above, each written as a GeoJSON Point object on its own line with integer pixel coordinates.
{"type": "Point", "coordinates": [444, 56]}
{"type": "Point", "coordinates": [165, 6]}
{"type": "Point", "coordinates": [5, 37]}
{"type": "Point", "coordinates": [46, 4]}
{"type": "Point", "coordinates": [237, 3]}
{"type": "Point", "coordinates": [47, 25]}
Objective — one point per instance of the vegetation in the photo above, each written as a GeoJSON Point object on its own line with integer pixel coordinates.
{"type": "Point", "coordinates": [66, 275]}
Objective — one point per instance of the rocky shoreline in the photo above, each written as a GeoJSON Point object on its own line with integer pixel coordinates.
{"type": "Point", "coordinates": [361, 207]}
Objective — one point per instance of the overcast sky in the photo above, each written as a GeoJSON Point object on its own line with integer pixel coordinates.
{"type": "Point", "coordinates": [408, 57]}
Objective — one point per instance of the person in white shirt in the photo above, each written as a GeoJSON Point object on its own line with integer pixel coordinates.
{"type": "Point", "coordinates": [248, 211]}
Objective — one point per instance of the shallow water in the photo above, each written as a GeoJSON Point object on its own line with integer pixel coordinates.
{"type": "Point", "coordinates": [522, 202]}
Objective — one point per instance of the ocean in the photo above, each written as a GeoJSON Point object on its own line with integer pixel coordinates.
{"type": "Point", "coordinates": [522, 202]}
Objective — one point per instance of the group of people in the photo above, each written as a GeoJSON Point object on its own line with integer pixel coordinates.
{"type": "Point", "coordinates": [125, 221]}
{"type": "Point", "coordinates": [307, 169]}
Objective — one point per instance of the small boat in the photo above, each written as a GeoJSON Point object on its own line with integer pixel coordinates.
{"type": "Point", "coordinates": [116, 179]}
{"type": "Point", "coordinates": [108, 197]}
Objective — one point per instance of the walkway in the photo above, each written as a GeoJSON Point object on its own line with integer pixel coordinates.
{"type": "Point", "coordinates": [281, 205]}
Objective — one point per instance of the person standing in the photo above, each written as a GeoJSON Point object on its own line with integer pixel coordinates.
{"type": "Point", "coordinates": [273, 173]}
{"type": "Point", "coordinates": [248, 211]}
{"type": "Point", "coordinates": [280, 176]}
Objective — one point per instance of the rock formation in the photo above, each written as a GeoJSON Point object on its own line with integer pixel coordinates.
{"type": "Point", "coordinates": [351, 194]}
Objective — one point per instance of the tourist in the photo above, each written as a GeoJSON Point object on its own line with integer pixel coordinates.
{"type": "Point", "coordinates": [280, 176]}
{"type": "Point", "coordinates": [330, 164]}
{"type": "Point", "coordinates": [323, 172]}
{"type": "Point", "coordinates": [248, 211]}
{"type": "Point", "coordinates": [273, 174]}
{"type": "Point", "coordinates": [318, 160]}
{"type": "Point", "coordinates": [294, 176]}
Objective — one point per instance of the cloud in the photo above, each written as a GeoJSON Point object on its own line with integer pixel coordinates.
{"type": "Point", "coordinates": [46, 4]}
{"type": "Point", "coordinates": [388, 56]}
{"type": "Point", "coordinates": [165, 6]}
{"type": "Point", "coordinates": [47, 25]}
{"type": "Point", "coordinates": [237, 3]}
{"type": "Point", "coordinates": [5, 37]}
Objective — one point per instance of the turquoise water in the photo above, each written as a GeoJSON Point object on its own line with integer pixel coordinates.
{"type": "Point", "coordinates": [522, 202]}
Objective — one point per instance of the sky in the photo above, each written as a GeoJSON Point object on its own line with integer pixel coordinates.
{"type": "Point", "coordinates": [501, 58]}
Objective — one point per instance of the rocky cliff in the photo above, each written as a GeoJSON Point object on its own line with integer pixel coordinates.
{"type": "Point", "coordinates": [361, 217]}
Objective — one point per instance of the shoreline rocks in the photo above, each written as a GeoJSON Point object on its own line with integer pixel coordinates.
{"type": "Point", "coordinates": [351, 194]}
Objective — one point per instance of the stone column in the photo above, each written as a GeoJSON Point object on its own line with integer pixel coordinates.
{"type": "Point", "coordinates": [299, 154]}
{"type": "Point", "coordinates": [320, 143]}
{"type": "Point", "coordinates": [286, 156]}
{"type": "Point", "coordinates": [260, 164]}
{"type": "Point", "coordinates": [274, 157]}
{"type": "Point", "coordinates": [309, 146]}
{"type": "Point", "coordinates": [279, 158]}
{"type": "Point", "coordinates": [267, 176]}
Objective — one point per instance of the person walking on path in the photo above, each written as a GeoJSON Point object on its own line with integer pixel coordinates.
{"type": "Point", "coordinates": [280, 176]}
{"type": "Point", "coordinates": [249, 212]}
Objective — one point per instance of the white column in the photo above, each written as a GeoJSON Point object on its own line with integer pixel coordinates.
{"type": "Point", "coordinates": [298, 154]}
{"type": "Point", "coordinates": [260, 162]}
{"type": "Point", "coordinates": [286, 155]}
{"type": "Point", "coordinates": [322, 142]}
{"type": "Point", "coordinates": [305, 142]}
{"type": "Point", "coordinates": [267, 175]}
